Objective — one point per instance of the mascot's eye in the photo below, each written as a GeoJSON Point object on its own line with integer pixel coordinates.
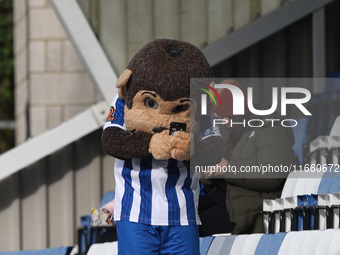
{"type": "Point", "coordinates": [150, 103]}
{"type": "Point", "coordinates": [180, 108]}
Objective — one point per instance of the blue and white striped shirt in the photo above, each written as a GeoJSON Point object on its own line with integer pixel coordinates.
{"type": "Point", "coordinates": [150, 191]}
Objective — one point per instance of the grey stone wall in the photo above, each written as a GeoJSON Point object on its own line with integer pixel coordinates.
{"type": "Point", "coordinates": [51, 85]}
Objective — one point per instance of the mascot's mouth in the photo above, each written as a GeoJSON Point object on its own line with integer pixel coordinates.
{"type": "Point", "coordinates": [159, 129]}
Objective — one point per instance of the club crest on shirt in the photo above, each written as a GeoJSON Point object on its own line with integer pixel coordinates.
{"type": "Point", "coordinates": [208, 132]}
{"type": "Point", "coordinates": [111, 116]}
{"type": "Point", "coordinates": [213, 131]}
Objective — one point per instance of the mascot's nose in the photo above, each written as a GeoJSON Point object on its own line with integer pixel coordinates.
{"type": "Point", "coordinates": [158, 129]}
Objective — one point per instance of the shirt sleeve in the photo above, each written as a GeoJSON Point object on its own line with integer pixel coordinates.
{"type": "Point", "coordinates": [212, 131]}
{"type": "Point", "coordinates": [116, 114]}
{"type": "Point", "coordinates": [208, 130]}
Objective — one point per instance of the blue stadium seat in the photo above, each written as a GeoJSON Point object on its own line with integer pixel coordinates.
{"type": "Point", "coordinates": [301, 137]}
{"type": "Point", "coordinates": [334, 186]}
{"type": "Point", "coordinates": [325, 107]}
{"type": "Point", "coordinates": [248, 247]}
{"type": "Point", "coordinates": [53, 251]}
{"type": "Point", "coordinates": [237, 246]}
{"type": "Point", "coordinates": [330, 110]}
{"type": "Point", "coordinates": [330, 182]}
{"type": "Point", "coordinates": [302, 183]}
{"type": "Point", "coordinates": [270, 244]}
{"type": "Point", "coordinates": [308, 183]}
{"type": "Point", "coordinates": [217, 245]}
{"type": "Point", "coordinates": [303, 190]}
{"type": "Point", "coordinates": [300, 242]}
{"type": "Point", "coordinates": [331, 97]}
{"type": "Point", "coordinates": [205, 245]}
{"type": "Point", "coordinates": [290, 184]}
{"type": "Point", "coordinates": [335, 131]}
{"type": "Point", "coordinates": [292, 243]}
{"type": "Point", "coordinates": [317, 114]}
{"type": "Point", "coordinates": [334, 247]}
{"type": "Point", "coordinates": [328, 241]}
{"type": "Point", "coordinates": [333, 84]}
{"type": "Point", "coordinates": [227, 245]}
{"type": "Point", "coordinates": [108, 196]}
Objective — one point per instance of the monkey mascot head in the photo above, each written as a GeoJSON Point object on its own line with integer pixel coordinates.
{"type": "Point", "coordinates": [156, 84]}
{"type": "Point", "coordinates": [155, 91]}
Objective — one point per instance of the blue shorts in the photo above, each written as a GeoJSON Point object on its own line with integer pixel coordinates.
{"type": "Point", "coordinates": [137, 238]}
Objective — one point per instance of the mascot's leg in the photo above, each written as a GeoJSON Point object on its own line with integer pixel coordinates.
{"type": "Point", "coordinates": [137, 238]}
{"type": "Point", "coordinates": [181, 240]}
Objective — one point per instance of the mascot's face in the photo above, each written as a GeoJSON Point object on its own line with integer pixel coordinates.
{"type": "Point", "coordinates": [151, 113]}
{"type": "Point", "coordinates": [156, 86]}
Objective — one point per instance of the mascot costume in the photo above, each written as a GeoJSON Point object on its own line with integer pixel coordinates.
{"type": "Point", "coordinates": [152, 136]}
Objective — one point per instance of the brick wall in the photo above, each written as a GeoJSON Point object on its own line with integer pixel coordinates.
{"type": "Point", "coordinates": [51, 84]}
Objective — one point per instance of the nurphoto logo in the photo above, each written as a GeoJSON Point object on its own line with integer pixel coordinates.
{"type": "Point", "coordinates": [239, 103]}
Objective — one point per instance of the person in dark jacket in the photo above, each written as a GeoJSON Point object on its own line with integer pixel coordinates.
{"type": "Point", "coordinates": [248, 147]}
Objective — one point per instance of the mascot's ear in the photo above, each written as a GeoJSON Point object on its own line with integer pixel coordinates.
{"type": "Point", "coordinates": [122, 81]}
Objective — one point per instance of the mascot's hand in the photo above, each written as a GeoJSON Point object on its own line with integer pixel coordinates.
{"type": "Point", "coordinates": [160, 145]}
{"type": "Point", "coordinates": [180, 142]}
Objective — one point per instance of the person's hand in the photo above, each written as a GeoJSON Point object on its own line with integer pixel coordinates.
{"type": "Point", "coordinates": [160, 145]}
{"type": "Point", "coordinates": [164, 146]}
{"type": "Point", "coordinates": [180, 141]}
{"type": "Point", "coordinates": [211, 174]}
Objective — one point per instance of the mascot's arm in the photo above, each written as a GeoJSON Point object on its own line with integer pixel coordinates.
{"type": "Point", "coordinates": [123, 144]}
